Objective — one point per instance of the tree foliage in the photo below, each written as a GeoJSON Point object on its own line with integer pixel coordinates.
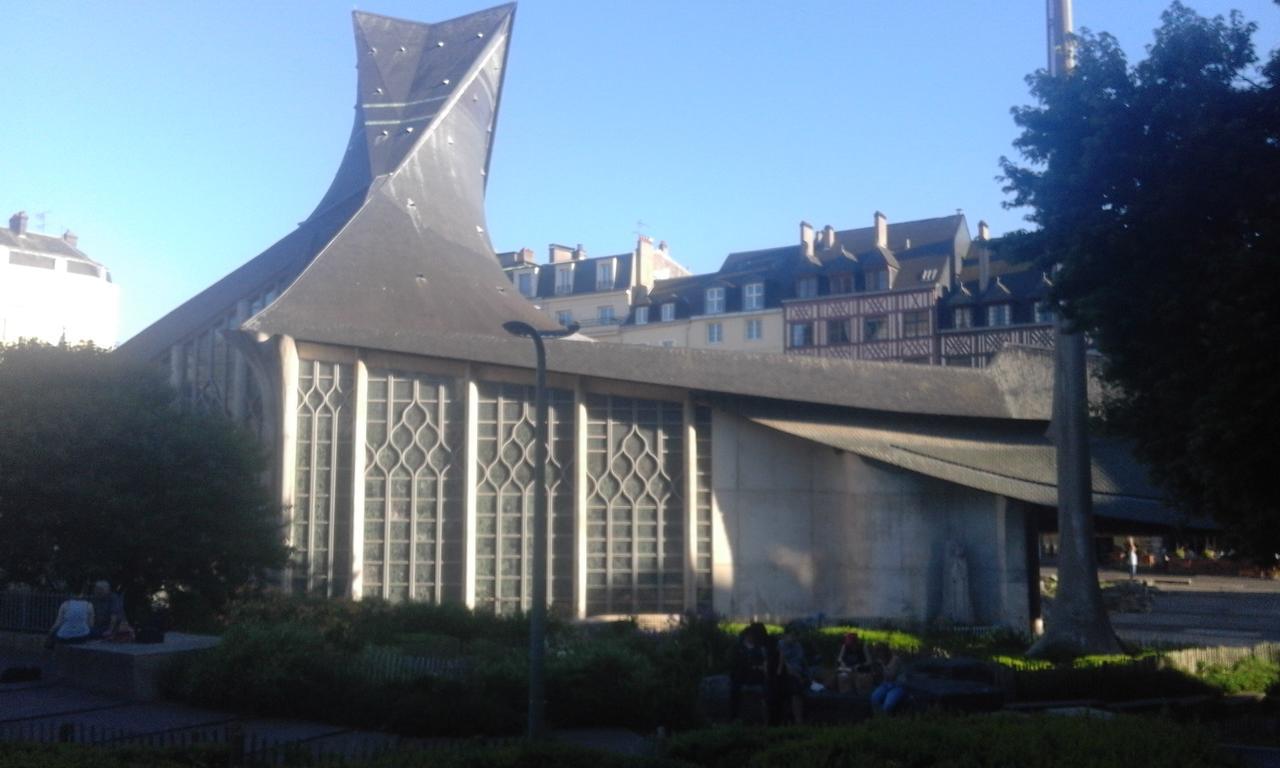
{"type": "Point", "coordinates": [1156, 187]}
{"type": "Point", "coordinates": [102, 476]}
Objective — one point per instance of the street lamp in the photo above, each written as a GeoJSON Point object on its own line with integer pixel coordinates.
{"type": "Point", "coordinates": [538, 610]}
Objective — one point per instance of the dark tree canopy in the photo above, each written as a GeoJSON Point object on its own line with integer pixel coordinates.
{"type": "Point", "coordinates": [101, 476]}
{"type": "Point", "coordinates": [1157, 188]}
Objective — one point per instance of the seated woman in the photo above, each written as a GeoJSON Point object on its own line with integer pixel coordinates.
{"type": "Point", "coordinates": [850, 661]}
{"type": "Point", "coordinates": [74, 623]}
{"type": "Point", "coordinates": [890, 693]}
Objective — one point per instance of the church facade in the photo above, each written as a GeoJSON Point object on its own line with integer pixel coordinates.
{"type": "Point", "coordinates": [366, 349]}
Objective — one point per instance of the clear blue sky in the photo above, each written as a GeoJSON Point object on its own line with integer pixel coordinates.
{"type": "Point", "coordinates": [179, 139]}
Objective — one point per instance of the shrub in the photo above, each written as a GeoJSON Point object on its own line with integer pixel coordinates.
{"type": "Point", "coordinates": [1250, 674]}
{"type": "Point", "coordinates": [79, 756]}
{"type": "Point", "coordinates": [1028, 742]}
{"type": "Point", "coordinates": [1107, 682]}
{"type": "Point", "coordinates": [521, 756]}
{"type": "Point", "coordinates": [283, 669]}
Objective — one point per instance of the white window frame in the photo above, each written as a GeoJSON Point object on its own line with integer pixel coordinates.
{"type": "Point", "coordinates": [795, 332]}
{"type": "Point", "coordinates": [714, 304]}
{"type": "Point", "coordinates": [642, 315]}
{"type": "Point", "coordinates": [604, 275]}
{"type": "Point", "coordinates": [807, 288]}
{"type": "Point", "coordinates": [715, 333]}
{"type": "Point", "coordinates": [668, 312]}
{"type": "Point", "coordinates": [753, 296]}
{"type": "Point", "coordinates": [962, 317]}
{"type": "Point", "coordinates": [755, 329]}
{"type": "Point", "coordinates": [878, 280]}
{"type": "Point", "coordinates": [999, 315]}
{"type": "Point", "coordinates": [605, 315]}
{"type": "Point", "coordinates": [564, 279]}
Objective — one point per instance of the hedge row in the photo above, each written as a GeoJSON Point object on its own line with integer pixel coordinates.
{"type": "Point", "coordinates": [1004, 740]}
{"type": "Point", "coordinates": [1027, 742]}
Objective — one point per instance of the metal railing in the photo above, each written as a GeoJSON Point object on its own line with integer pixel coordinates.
{"type": "Point", "coordinates": [29, 611]}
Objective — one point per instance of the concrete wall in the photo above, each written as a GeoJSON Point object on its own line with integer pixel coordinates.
{"type": "Point", "coordinates": [800, 528]}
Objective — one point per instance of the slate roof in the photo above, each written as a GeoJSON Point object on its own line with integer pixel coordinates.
{"type": "Point", "coordinates": [37, 242]}
{"type": "Point", "coordinates": [399, 240]}
{"type": "Point", "coordinates": [584, 275]}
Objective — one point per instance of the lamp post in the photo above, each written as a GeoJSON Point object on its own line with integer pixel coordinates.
{"type": "Point", "coordinates": [538, 609]}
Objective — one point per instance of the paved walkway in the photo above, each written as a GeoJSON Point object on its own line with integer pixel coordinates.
{"type": "Point", "coordinates": [1200, 610]}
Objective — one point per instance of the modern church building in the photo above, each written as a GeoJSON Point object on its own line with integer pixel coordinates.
{"type": "Point", "coordinates": [367, 349]}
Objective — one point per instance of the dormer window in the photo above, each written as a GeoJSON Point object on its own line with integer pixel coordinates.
{"type": "Point", "coordinates": [524, 283]}
{"type": "Point", "coordinates": [715, 301]}
{"type": "Point", "coordinates": [753, 296]}
{"type": "Point", "coordinates": [878, 280]}
{"type": "Point", "coordinates": [668, 312]}
{"type": "Point", "coordinates": [642, 315]}
{"type": "Point", "coordinates": [806, 288]}
{"type": "Point", "coordinates": [962, 317]}
{"type": "Point", "coordinates": [564, 279]}
{"type": "Point", "coordinates": [928, 275]}
{"type": "Point", "coordinates": [838, 284]}
{"type": "Point", "coordinates": [604, 275]}
{"type": "Point", "coordinates": [998, 314]}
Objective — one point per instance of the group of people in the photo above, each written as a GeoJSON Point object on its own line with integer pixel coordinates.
{"type": "Point", "coordinates": [778, 668]}
{"type": "Point", "coordinates": [96, 614]}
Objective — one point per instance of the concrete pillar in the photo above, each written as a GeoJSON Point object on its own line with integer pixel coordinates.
{"type": "Point", "coordinates": [287, 353]}
{"type": "Point", "coordinates": [580, 500]}
{"type": "Point", "coordinates": [358, 434]}
{"type": "Point", "coordinates": [471, 475]}
{"type": "Point", "coordinates": [690, 506]}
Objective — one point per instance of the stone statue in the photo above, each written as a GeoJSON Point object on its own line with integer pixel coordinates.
{"type": "Point", "coordinates": [957, 607]}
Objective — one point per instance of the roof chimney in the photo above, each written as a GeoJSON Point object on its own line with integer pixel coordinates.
{"type": "Point", "coordinates": [806, 238]}
{"type": "Point", "coordinates": [984, 232]}
{"type": "Point", "coordinates": [882, 230]}
{"type": "Point", "coordinates": [579, 253]}
{"type": "Point", "coordinates": [642, 273]}
{"type": "Point", "coordinates": [560, 253]}
{"type": "Point", "coordinates": [828, 237]}
{"type": "Point", "coordinates": [70, 238]}
{"type": "Point", "coordinates": [18, 223]}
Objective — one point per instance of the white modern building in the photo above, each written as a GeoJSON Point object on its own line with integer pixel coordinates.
{"type": "Point", "coordinates": [51, 291]}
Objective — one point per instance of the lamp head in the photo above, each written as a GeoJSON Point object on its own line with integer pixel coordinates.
{"type": "Point", "coordinates": [520, 328]}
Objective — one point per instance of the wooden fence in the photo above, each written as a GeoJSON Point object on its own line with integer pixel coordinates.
{"type": "Point", "coordinates": [1191, 660]}
{"type": "Point", "coordinates": [248, 749]}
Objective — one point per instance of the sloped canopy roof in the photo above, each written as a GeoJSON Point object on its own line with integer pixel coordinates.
{"type": "Point", "coordinates": [1020, 464]}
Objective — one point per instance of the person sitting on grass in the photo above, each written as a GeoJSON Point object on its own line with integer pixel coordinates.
{"type": "Point", "coordinates": [74, 623]}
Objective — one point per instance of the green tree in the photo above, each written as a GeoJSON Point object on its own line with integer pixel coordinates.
{"type": "Point", "coordinates": [1156, 187]}
{"type": "Point", "coordinates": [102, 476]}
